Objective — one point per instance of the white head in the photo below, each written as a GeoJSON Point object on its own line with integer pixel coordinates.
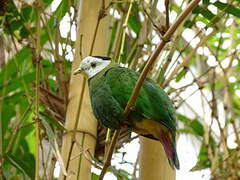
{"type": "Point", "coordinates": [91, 65]}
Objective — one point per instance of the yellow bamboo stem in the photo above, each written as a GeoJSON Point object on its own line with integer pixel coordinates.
{"type": "Point", "coordinates": [153, 162]}
{"type": "Point", "coordinates": [77, 141]}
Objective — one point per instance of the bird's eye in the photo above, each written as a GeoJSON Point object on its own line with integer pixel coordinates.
{"type": "Point", "coordinates": [93, 65]}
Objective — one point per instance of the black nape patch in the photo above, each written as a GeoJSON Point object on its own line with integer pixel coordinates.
{"type": "Point", "coordinates": [103, 58]}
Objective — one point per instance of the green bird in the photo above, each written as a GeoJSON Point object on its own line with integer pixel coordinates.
{"type": "Point", "coordinates": [110, 87]}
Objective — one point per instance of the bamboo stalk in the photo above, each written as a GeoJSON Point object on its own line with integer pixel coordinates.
{"type": "Point", "coordinates": [79, 117]}
{"type": "Point", "coordinates": [153, 162]}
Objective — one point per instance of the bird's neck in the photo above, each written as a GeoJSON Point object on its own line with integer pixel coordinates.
{"type": "Point", "coordinates": [104, 69]}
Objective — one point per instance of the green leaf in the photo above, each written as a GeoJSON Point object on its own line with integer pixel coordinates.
{"type": "Point", "coordinates": [189, 23]}
{"type": "Point", "coordinates": [47, 2]}
{"type": "Point", "coordinates": [134, 24]}
{"type": "Point", "coordinates": [206, 13]}
{"type": "Point", "coordinates": [227, 8]}
{"type": "Point", "coordinates": [53, 122]}
{"type": "Point", "coordinates": [17, 84]}
{"type": "Point", "coordinates": [191, 126]}
{"type": "Point", "coordinates": [27, 12]}
{"type": "Point", "coordinates": [53, 143]}
{"type": "Point", "coordinates": [50, 133]}
{"type": "Point", "coordinates": [8, 112]}
{"type": "Point", "coordinates": [206, 2]}
{"type": "Point", "coordinates": [21, 56]}
{"type": "Point", "coordinates": [15, 25]}
{"type": "Point", "coordinates": [122, 174]}
{"type": "Point", "coordinates": [21, 165]}
{"type": "Point", "coordinates": [181, 75]}
{"type": "Point", "coordinates": [197, 127]}
{"type": "Point", "coordinates": [94, 176]}
{"type": "Point", "coordinates": [161, 77]}
{"type": "Point", "coordinates": [22, 140]}
{"type": "Point", "coordinates": [134, 19]}
{"type": "Point", "coordinates": [203, 160]}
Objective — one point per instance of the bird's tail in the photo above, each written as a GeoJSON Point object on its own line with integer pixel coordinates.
{"type": "Point", "coordinates": [170, 149]}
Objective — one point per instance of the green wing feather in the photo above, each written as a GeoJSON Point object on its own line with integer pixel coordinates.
{"type": "Point", "coordinates": [152, 102]}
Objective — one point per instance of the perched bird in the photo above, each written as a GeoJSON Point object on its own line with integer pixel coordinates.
{"type": "Point", "coordinates": [110, 88]}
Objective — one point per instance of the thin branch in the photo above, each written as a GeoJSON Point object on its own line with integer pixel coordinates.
{"type": "Point", "coordinates": [107, 163]}
{"type": "Point", "coordinates": [151, 20]}
{"type": "Point", "coordinates": [37, 100]}
{"type": "Point", "coordinates": [2, 97]}
{"type": "Point", "coordinates": [167, 13]}
{"type": "Point", "coordinates": [59, 64]}
{"type": "Point", "coordinates": [124, 31]}
{"type": "Point", "coordinates": [135, 167]}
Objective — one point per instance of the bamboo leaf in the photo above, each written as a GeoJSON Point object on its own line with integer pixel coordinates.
{"type": "Point", "coordinates": [203, 160]}
{"type": "Point", "coordinates": [53, 143]}
{"type": "Point", "coordinates": [134, 19]}
{"type": "Point", "coordinates": [206, 14]}
{"type": "Point", "coordinates": [206, 2]}
{"type": "Point", "coordinates": [53, 122]}
{"type": "Point", "coordinates": [94, 176]}
{"type": "Point", "coordinates": [23, 166]}
{"type": "Point", "coordinates": [181, 75]}
{"type": "Point", "coordinates": [227, 8]}
{"type": "Point", "coordinates": [197, 127]}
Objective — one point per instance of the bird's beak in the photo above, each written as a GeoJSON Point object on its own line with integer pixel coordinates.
{"type": "Point", "coordinates": [77, 71]}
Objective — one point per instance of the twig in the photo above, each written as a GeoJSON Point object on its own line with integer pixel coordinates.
{"type": "Point", "coordinates": [1, 122]}
{"type": "Point", "coordinates": [80, 131]}
{"type": "Point", "coordinates": [215, 115]}
{"type": "Point", "coordinates": [151, 20]}
{"type": "Point", "coordinates": [38, 51]}
{"type": "Point", "coordinates": [135, 167]}
{"type": "Point", "coordinates": [89, 159]}
{"type": "Point", "coordinates": [107, 163]}
{"type": "Point", "coordinates": [142, 77]}
{"type": "Point", "coordinates": [124, 31]}
{"type": "Point", "coordinates": [167, 13]}
{"type": "Point", "coordinates": [59, 64]}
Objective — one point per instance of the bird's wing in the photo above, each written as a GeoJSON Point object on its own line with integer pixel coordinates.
{"type": "Point", "coordinates": [152, 102]}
